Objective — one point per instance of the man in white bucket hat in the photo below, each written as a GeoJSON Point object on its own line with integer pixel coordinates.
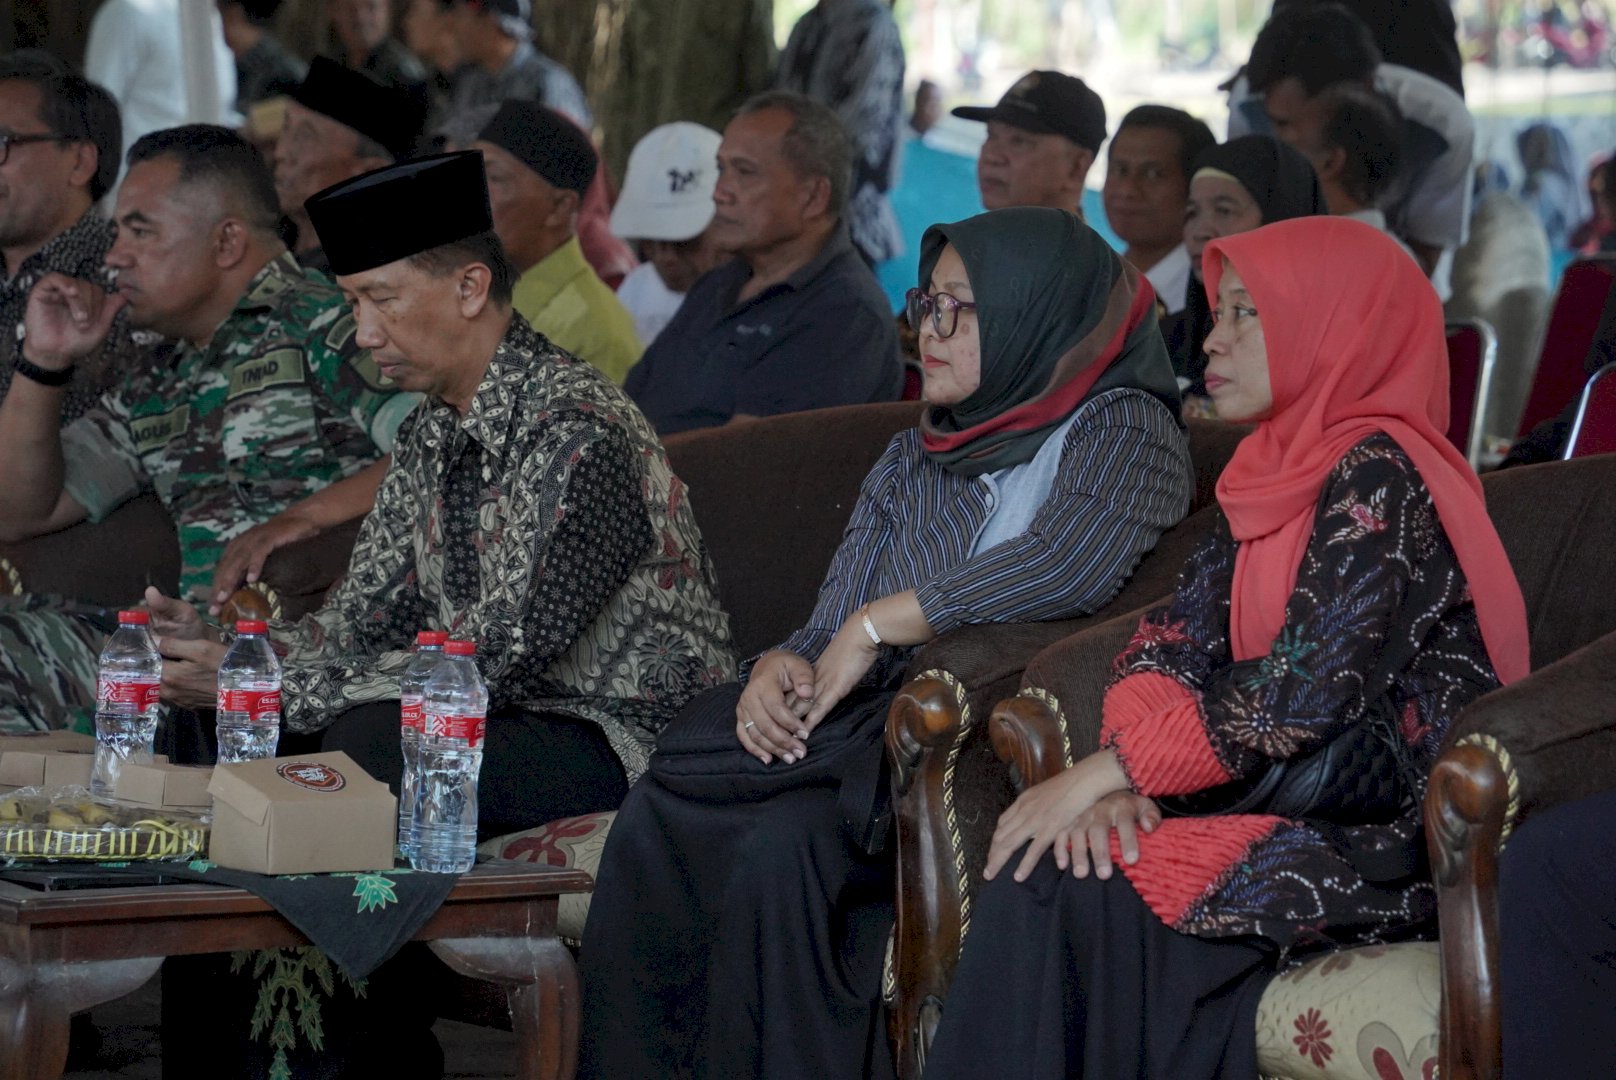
{"type": "Point", "coordinates": [665, 206]}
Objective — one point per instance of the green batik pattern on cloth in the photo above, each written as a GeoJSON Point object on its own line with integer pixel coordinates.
{"type": "Point", "coordinates": [373, 890]}
{"type": "Point", "coordinates": [49, 648]}
{"type": "Point", "coordinates": [289, 1005]}
{"type": "Point", "coordinates": [280, 403]}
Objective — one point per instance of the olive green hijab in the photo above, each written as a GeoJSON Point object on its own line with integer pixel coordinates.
{"type": "Point", "coordinates": [1061, 318]}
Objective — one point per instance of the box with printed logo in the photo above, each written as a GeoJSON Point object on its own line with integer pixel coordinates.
{"type": "Point", "coordinates": [313, 814]}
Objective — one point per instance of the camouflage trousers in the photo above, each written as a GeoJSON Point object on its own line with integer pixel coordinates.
{"type": "Point", "coordinates": [49, 647]}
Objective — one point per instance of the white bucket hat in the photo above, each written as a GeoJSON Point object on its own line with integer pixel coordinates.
{"type": "Point", "coordinates": [668, 189]}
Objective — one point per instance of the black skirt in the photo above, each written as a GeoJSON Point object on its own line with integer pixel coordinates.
{"type": "Point", "coordinates": [1076, 977]}
{"type": "Point", "coordinates": [738, 926]}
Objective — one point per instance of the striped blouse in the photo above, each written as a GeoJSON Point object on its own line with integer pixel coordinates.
{"type": "Point", "coordinates": [1124, 477]}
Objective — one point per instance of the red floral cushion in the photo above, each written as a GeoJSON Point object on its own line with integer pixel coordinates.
{"type": "Point", "coordinates": [1369, 1013]}
{"type": "Point", "coordinates": [575, 842]}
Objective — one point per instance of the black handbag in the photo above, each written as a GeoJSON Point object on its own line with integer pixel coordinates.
{"type": "Point", "coordinates": [1366, 775]}
{"type": "Point", "coordinates": [698, 757]}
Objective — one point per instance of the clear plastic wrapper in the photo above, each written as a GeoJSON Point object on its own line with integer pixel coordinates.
{"type": "Point", "coordinates": [68, 824]}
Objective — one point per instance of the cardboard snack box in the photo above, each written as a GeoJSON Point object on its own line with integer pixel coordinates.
{"type": "Point", "coordinates": [162, 785]}
{"type": "Point", "coordinates": [314, 814]}
{"type": "Point", "coordinates": [46, 759]}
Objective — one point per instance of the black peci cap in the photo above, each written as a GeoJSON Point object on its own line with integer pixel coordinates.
{"type": "Point", "coordinates": [401, 210]}
{"type": "Point", "coordinates": [544, 141]}
{"type": "Point", "coordinates": [391, 116]}
{"type": "Point", "coordinates": [1048, 103]}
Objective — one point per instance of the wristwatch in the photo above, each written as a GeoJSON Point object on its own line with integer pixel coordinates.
{"type": "Point", "coordinates": [43, 376]}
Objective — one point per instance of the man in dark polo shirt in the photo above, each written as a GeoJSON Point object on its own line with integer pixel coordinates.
{"type": "Point", "coordinates": [796, 321]}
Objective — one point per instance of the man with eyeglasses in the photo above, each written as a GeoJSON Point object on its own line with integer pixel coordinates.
{"type": "Point", "coordinates": [264, 423]}
{"type": "Point", "coordinates": [796, 320]}
{"type": "Point", "coordinates": [59, 143]}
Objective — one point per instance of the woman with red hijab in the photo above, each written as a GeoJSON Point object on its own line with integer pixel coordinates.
{"type": "Point", "coordinates": [1355, 592]}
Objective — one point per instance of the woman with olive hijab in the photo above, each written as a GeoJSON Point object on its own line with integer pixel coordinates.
{"type": "Point", "coordinates": [745, 894]}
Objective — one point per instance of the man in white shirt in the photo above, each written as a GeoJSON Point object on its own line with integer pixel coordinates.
{"type": "Point", "coordinates": [1304, 51]}
{"type": "Point", "coordinates": [666, 206]}
{"type": "Point", "coordinates": [1147, 184]}
{"type": "Point", "coordinates": [135, 51]}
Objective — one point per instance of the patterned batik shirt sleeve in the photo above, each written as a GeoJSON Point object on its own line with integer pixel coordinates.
{"type": "Point", "coordinates": [1378, 575]}
{"type": "Point", "coordinates": [365, 405]}
{"type": "Point", "coordinates": [355, 646]}
{"type": "Point", "coordinates": [556, 547]}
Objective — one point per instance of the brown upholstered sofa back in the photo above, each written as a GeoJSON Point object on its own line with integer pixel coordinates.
{"type": "Point", "coordinates": [772, 498]}
{"type": "Point", "coordinates": [109, 563]}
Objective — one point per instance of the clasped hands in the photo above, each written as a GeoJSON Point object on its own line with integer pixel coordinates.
{"type": "Point", "coordinates": [191, 652]}
{"type": "Point", "coordinates": [787, 697]}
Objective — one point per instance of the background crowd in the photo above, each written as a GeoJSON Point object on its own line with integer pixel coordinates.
{"type": "Point", "coordinates": [399, 281]}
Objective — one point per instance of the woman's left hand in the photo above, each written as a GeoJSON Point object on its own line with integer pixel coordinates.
{"type": "Point", "coordinates": [1089, 838]}
{"type": "Point", "coordinates": [1049, 811]}
{"type": "Point", "coordinates": [845, 661]}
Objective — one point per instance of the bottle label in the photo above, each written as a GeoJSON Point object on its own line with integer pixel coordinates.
{"type": "Point", "coordinates": [410, 712]}
{"type": "Point", "coordinates": [469, 728]}
{"type": "Point", "coordinates": [261, 706]}
{"type": "Point", "coordinates": [141, 695]}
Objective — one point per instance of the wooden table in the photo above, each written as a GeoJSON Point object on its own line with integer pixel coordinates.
{"type": "Point", "coordinates": [61, 952]}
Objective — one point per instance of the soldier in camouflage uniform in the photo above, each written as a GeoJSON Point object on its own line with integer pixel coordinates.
{"type": "Point", "coordinates": [272, 406]}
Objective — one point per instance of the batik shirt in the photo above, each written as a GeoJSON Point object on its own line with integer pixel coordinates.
{"type": "Point", "coordinates": [1380, 628]}
{"type": "Point", "coordinates": [544, 525]}
{"type": "Point", "coordinates": [279, 403]}
{"type": "Point", "coordinates": [80, 251]}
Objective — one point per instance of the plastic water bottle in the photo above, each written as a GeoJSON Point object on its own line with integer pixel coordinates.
{"type": "Point", "coordinates": [125, 700]}
{"type": "Point", "coordinates": [445, 818]}
{"type": "Point", "coordinates": [411, 698]}
{"type": "Point", "coordinates": [249, 713]}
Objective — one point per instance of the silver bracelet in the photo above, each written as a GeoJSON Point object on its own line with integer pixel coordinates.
{"type": "Point", "coordinates": [869, 627]}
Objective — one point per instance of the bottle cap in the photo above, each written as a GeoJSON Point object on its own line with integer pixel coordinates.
{"type": "Point", "coordinates": [135, 618]}
{"type": "Point", "coordinates": [251, 626]}
{"type": "Point", "coordinates": [431, 637]}
{"type": "Point", "coordinates": [461, 648]}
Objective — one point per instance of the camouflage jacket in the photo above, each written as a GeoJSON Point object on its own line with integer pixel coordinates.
{"type": "Point", "coordinates": [546, 526]}
{"type": "Point", "coordinates": [79, 251]}
{"type": "Point", "coordinates": [280, 403]}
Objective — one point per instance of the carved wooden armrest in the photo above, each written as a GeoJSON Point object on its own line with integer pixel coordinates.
{"type": "Point", "coordinates": [928, 723]}
{"type": "Point", "coordinates": [1470, 807]}
{"type": "Point", "coordinates": [1029, 735]}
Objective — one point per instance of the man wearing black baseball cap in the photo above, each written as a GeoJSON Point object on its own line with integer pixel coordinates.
{"type": "Point", "coordinates": [1042, 139]}
{"type": "Point", "coordinates": [339, 124]}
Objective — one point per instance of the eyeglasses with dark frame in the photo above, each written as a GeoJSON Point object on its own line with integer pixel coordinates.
{"type": "Point", "coordinates": [943, 308]}
{"type": "Point", "coordinates": [8, 140]}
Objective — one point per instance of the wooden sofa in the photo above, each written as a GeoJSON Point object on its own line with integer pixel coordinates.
{"type": "Point", "coordinates": [1366, 1013]}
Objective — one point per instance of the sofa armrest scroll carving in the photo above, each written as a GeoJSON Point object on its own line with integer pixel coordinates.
{"type": "Point", "coordinates": [1467, 813]}
{"type": "Point", "coordinates": [1029, 736]}
{"type": "Point", "coordinates": [928, 723]}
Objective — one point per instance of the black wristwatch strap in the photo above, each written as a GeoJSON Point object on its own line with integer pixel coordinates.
{"type": "Point", "coordinates": [29, 370]}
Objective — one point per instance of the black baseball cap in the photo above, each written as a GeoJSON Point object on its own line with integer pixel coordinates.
{"type": "Point", "coordinates": [1048, 103]}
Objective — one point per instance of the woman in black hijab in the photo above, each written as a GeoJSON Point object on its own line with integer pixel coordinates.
{"type": "Point", "coordinates": [1235, 187]}
{"type": "Point", "coordinates": [744, 897]}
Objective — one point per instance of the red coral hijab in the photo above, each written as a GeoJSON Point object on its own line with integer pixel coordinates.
{"type": "Point", "coordinates": [1355, 346]}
